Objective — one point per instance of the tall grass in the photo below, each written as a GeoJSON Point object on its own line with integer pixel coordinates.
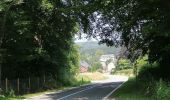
{"type": "Point", "coordinates": [131, 90]}
{"type": "Point", "coordinates": [155, 87]}
{"type": "Point", "coordinates": [125, 72]}
{"type": "Point", "coordinates": [148, 85]}
{"type": "Point", "coordinates": [162, 91]}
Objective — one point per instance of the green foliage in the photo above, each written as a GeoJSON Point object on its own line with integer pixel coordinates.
{"type": "Point", "coordinates": [126, 72]}
{"type": "Point", "coordinates": [148, 85]}
{"type": "Point", "coordinates": [9, 98]}
{"type": "Point", "coordinates": [37, 40]}
{"type": "Point", "coordinates": [149, 72]}
{"type": "Point", "coordinates": [92, 59]}
{"type": "Point", "coordinates": [80, 80]}
{"type": "Point", "coordinates": [131, 91]}
{"type": "Point", "coordinates": [95, 67]}
{"type": "Point", "coordinates": [36, 35]}
{"type": "Point", "coordinates": [143, 26]}
{"type": "Point", "coordinates": [162, 91]}
{"type": "Point", "coordinates": [142, 61]}
{"type": "Point", "coordinates": [143, 90]}
{"type": "Point", "coordinates": [9, 93]}
{"type": "Point", "coordinates": [123, 64]}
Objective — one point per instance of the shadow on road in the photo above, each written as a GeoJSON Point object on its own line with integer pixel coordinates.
{"type": "Point", "coordinates": [98, 90]}
{"type": "Point", "coordinates": [91, 92]}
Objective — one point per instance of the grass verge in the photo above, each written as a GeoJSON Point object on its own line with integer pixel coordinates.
{"type": "Point", "coordinates": [11, 98]}
{"type": "Point", "coordinates": [78, 82]}
{"type": "Point", "coordinates": [40, 93]}
{"type": "Point", "coordinates": [124, 72]}
{"type": "Point", "coordinates": [131, 90]}
{"type": "Point", "coordinates": [92, 76]}
{"type": "Point", "coordinates": [81, 79]}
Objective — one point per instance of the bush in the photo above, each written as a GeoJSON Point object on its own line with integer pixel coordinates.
{"type": "Point", "coordinates": [162, 91]}
{"type": "Point", "coordinates": [150, 81]}
{"type": "Point", "coordinates": [9, 93]}
{"type": "Point", "coordinates": [126, 72]}
{"type": "Point", "coordinates": [149, 72]}
{"type": "Point", "coordinates": [155, 87]}
{"type": "Point", "coordinates": [124, 64]}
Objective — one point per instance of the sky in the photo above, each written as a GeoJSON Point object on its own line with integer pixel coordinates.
{"type": "Point", "coordinates": [83, 38]}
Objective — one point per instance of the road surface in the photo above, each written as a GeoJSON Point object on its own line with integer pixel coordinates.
{"type": "Point", "coordinates": [99, 90]}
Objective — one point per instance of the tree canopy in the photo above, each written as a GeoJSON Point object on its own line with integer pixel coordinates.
{"type": "Point", "coordinates": [140, 25]}
{"type": "Point", "coordinates": [37, 40]}
{"type": "Point", "coordinates": [39, 33]}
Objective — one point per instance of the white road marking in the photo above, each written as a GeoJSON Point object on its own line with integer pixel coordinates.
{"type": "Point", "coordinates": [105, 98]}
{"type": "Point", "coordinates": [76, 93]}
{"type": "Point", "coordinates": [112, 78]}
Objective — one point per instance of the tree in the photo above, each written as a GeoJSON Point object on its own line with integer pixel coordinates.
{"type": "Point", "coordinates": [141, 26]}
{"type": "Point", "coordinates": [124, 64]}
{"type": "Point", "coordinates": [96, 67]}
{"type": "Point", "coordinates": [144, 26]}
{"type": "Point", "coordinates": [92, 59]}
{"type": "Point", "coordinates": [4, 10]}
{"type": "Point", "coordinates": [38, 40]}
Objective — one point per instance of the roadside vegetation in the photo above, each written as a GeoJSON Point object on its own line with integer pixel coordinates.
{"type": "Point", "coordinates": [11, 98]}
{"type": "Point", "coordinates": [123, 67]}
{"type": "Point", "coordinates": [93, 76]}
{"type": "Point", "coordinates": [146, 85]}
{"type": "Point", "coordinates": [124, 72]}
{"type": "Point", "coordinates": [93, 59]}
{"type": "Point", "coordinates": [80, 79]}
{"type": "Point", "coordinates": [131, 90]}
{"type": "Point", "coordinates": [37, 39]}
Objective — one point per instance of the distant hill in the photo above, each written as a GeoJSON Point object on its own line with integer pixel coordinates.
{"type": "Point", "coordinates": [91, 47]}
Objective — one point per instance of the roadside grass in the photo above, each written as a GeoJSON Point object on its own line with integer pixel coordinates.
{"type": "Point", "coordinates": [79, 80]}
{"type": "Point", "coordinates": [148, 86]}
{"type": "Point", "coordinates": [124, 72]}
{"type": "Point", "coordinates": [44, 92]}
{"type": "Point", "coordinates": [39, 93]}
{"type": "Point", "coordinates": [92, 76]}
{"type": "Point", "coordinates": [11, 98]}
{"type": "Point", "coordinates": [131, 90]}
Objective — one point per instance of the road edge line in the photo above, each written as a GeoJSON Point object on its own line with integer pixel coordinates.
{"type": "Point", "coordinates": [108, 95]}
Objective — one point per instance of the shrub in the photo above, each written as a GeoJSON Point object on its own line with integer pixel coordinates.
{"type": "Point", "coordinates": [150, 75]}
{"type": "Point", "coordinates": [149, 72]}
{"type": "Point", "coordinates": [123, 64]}
{"type": "Point", "coordinates": [162, 91]}
{"type": "Point", "coordinates": [9, 93]}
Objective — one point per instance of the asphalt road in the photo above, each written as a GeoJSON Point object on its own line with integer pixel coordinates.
{"type": "Point", "coordinates": [99, 90]}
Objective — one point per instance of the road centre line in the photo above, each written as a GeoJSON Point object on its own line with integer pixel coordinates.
{"type": "Point", "coordinates": [76, 93]}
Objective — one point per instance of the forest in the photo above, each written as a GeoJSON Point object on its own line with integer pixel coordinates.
{"type": "Point", "coordinates": [37, 36]}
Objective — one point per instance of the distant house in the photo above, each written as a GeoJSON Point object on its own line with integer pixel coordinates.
{"type": "Point", "coordinates": [84, 67]}
{"type": "Point", "coordinates": [108, 62]}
